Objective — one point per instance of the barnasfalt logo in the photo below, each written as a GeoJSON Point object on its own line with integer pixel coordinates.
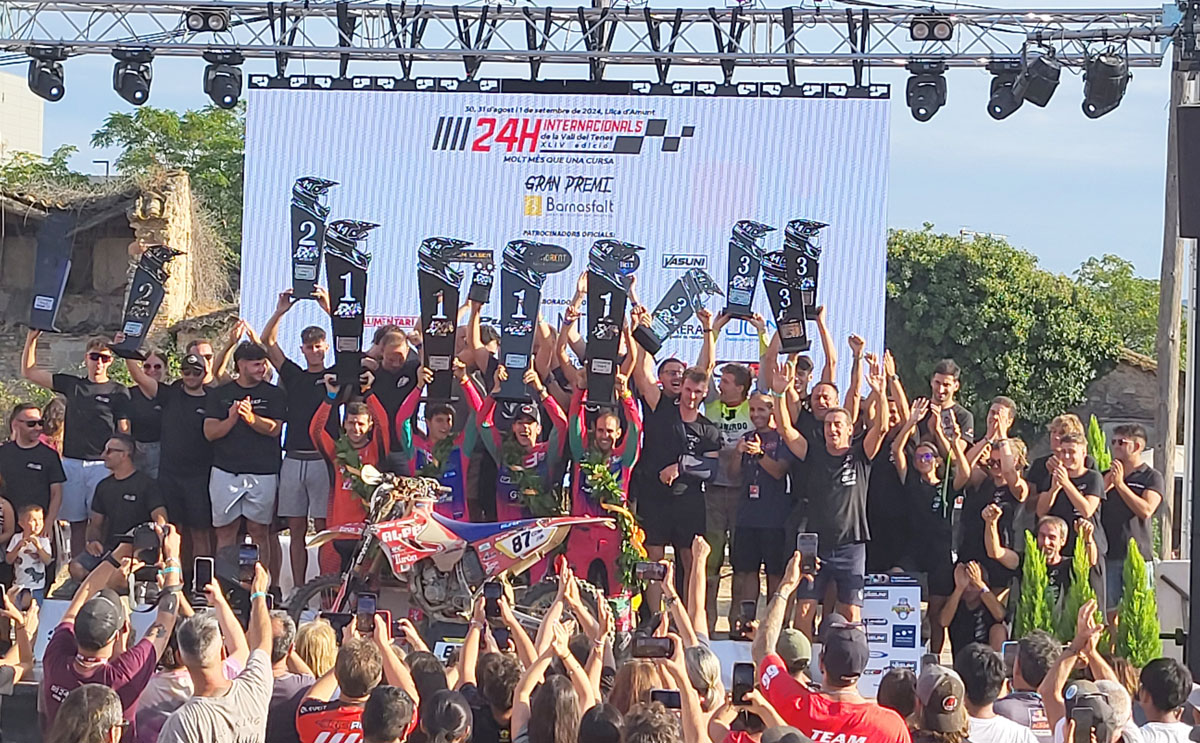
{"type": "Point", "coordinates": [533, 205]}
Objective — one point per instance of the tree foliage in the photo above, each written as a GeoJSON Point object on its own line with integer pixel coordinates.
{"type": "Point", "coordinates": [1130, 301]}
{"type": "Point", "coordinates": [1018, 330]}
{"type": "Point", "coordinates": [1033, 603]}
{"type": "Point", "coordinates": [23, 171]}
{"type": "Point", "coordinates": [209, 143]}
{"type": "Point", "coordinates": [1078, 593]}
{"type": "Point", "coordinates": [1137, 630]}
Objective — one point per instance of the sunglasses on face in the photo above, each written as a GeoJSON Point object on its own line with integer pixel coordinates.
{"type": "Point", "coordinates": [993, 464]}
{"type": "Point", "coordinates": [94, 356]}
{"type": "Point", "coordinates": [110, 450]}
{"type": "Point", "coordinates": [33, 423]}
{"type": "Point", "coordinates": [152, 366]}
{"type": "Point", "coordinates": [191, 373]}
{"type": "Point", "coordinates": [924, 457]}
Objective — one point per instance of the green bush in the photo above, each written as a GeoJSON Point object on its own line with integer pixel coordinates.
{"type": "Point", "coordinates": [1138, 629]}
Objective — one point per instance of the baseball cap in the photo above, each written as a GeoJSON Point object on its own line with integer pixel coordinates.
{"type": "Point", "coordinates": [99, 620]}
{"type": "Point", "coordinates": [249, 351]}
{"type": "Point", "coordinates": [192, 362]}
{"type": "Point", "coordinates": [1085, 694]}
{"type": "Point", "coordinates": [941, 693]}
{"type": "Point", "coordinates": [784, 734]}
{"type": "Point", "coordinates": [844, 651]}
{"type": "Point", "coordinates": [527, 411]}
{"type": "Point", "coordinates": [793, 645]}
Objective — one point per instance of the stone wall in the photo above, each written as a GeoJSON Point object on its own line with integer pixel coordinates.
{"type": "Point", "coordinates": [1127, 394]}
{"type": "Point", "coordinates": [164, 217]}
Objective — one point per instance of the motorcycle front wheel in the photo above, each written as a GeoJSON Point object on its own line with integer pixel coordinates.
{"type": "Point", "coordinates": [314, 597]}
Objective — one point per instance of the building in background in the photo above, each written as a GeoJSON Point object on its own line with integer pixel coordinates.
{"type": "Point", "coordinates": [20, 117]}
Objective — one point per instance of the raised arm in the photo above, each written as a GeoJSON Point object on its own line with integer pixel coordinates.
{"type": "Point", "coordinates": [873, 441]}
{"type": "Point", "coordinates": [851, 401]}
{"type": "Point", "coordinates": [1013, 477]}
{"type": "Point", "coordinates": [899, 455]}
{"type": "Point", "coordinates": [1087, 635]}
{"type": "Point", "coordinates": [29, 367]}
{"type": "Point", "coordinates": [950, 608]}
{"type": "Point", "coordinates": [270, 332]}
{"type": "Point", "coordinates": [317, 426]}
{"type": "Point", "coordinates": [965, 471]}
{"type": "Point", "coordinates": [676, 608]}
{"type": "Point", "coordinates": [767, 635]}
{"type": "Point", "coordinates": [394, 670]}
{"type": "Point", "coordinates": [146, 383]}
{"type": "Point", "coordinates": [576, 431]}
{"type": "Point", "coordinates": [630, 447]}
{"type": "Point", "coordinates": [481, 354]}
{"type": "Point", "coordinates": [766, 363]}
{"type": "Point", "coordinates": [469, 656]}
{"type": "Point", "coordinates": [24, 626]}
{"type": "Point", "coordinates": [231, 629]}
{"type": "Point", "coordinates": [221, 360]}
{"type": "Point", "coordinates": [828, 347]}
{"type": "Point", "coordinates": [697, 588]}
{"type": "Point", "coordinates": [534, 674]}
{"type": "Point", "coordinates": [782, 378]}
{"type": "Point", "coordinates": [894, 385]}
{"type": "Point", "coordinates": [991, 538]}
{"type": "Point", "coordinates": [707, 359]}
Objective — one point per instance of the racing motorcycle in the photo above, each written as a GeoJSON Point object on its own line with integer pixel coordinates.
{"type": "Point", "coordinates": [434, 563]}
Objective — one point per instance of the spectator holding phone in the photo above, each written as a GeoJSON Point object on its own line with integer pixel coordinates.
{"type": "Point", "coordinates": [292, 679]}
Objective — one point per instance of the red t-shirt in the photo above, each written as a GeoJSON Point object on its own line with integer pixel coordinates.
{"type": "Point", "coordinates": [334, 721]}
{"type": "Point", "coordinates": [827, 720]}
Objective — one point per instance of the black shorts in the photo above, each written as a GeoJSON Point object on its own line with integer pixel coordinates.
{"type": "Point", "coordinates": [671, 519]}
{"type": "Point", "coordinates": [845, 566]}
{"type": "Point", "coordinates": [938, 567]}
{"type": "Point", "coordinates": [755, 546]}
{"type": "Point", "coordinates": [187, 498]}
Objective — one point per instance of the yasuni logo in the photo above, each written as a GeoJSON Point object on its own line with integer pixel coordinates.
{"type": "Point", "coordinates": [678, 260]}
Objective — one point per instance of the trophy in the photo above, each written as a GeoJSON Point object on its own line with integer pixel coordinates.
{"type": "Point", "coordinates": [676, 307]}
{"type": "Point", "coordinates": [784, 296]}
{"type": "Point", "coordinates": [522, 273]}
{"type": "Point", "coordinates": [53, 264]}
{"type": "Point", "coordinates": [611, 265]}
{"type": "Point", "coordinates": [803, 259]}
{"type": "Point", "coordinates": [346, 264]}
{"type": "Point", "coordinates": [439, 283]}
{"type": "Point", "coordinates": [745, 259]}
{"type": "Point", "coordinates": [146, 293]}
{"type": "Point", "coordinates": [308, 233]}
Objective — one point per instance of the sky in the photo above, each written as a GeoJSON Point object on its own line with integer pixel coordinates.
{"type": "Point", "coordinates": [1055, 183]}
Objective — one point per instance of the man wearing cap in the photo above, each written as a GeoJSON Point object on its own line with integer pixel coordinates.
{"type": "Point", "coordinates": [81, 649]}
{"type": "Point", "coordinates": [941, 706]}
{"type": "Point", "coordinates": [243, 420]}
{"type": "Point", "coordinates": [982, 672]}
{"type": "Point", "coordinates": [836, 713]}
{"type": "Point", "coordinates": [185, 461]}
{"type": "Point", "coordinates": [795, 650]}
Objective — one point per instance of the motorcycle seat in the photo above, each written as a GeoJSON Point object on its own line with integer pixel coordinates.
{"type": "Point", "coordinates": [472, 532]}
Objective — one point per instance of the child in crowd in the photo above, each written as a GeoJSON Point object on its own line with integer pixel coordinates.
{"type": "Point", "coordinates": [29, 551]}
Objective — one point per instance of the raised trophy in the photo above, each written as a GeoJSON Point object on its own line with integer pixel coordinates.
{"type": "Point", "coordinates": [611, 264]}
{"type": "Point", "coordinates": [803, 249]}
{"type": "Point", "coordinates": [439, 282]}
{"type": "Point", "coordinates": [346, 262]}
{"type": "Point", "coordinates": [146, 293]}
{"type": "Point", "coordinates": [308, 233]}
{"type": "Point", "coordinates": [784, 296]}
{"type": "Point", "coordinates": [745, 260]}
{"type": "Point", "coordinates": [51, 268]}
{"type": "Point", "coordinates": [676, 307]}
{"type": "Point", "coordinates": [523, 271]}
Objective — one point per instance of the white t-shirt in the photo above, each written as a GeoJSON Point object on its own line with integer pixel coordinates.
{"type": "Point", "coordinates": [1166, 732]}
{"type": "Point", "coordinates": [237, 716]}
{"type": "Point", "coordinates": [29, 570]}
{"type": "Point", "coordinates": [999, 730]}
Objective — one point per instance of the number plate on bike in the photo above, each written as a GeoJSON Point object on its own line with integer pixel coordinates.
{"type": "Point", "coordinates": [523, 543]}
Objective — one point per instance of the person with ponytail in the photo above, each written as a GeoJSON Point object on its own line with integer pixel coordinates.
{"type": "Point", "coordinates": [446, 717]}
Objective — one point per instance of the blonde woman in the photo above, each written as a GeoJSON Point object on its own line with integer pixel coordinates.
{"type": "Point", "coordinates": [316, 644]}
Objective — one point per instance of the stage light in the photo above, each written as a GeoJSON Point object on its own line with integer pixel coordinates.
{"type": "Point", "coordinates": [132, 74]}
{"type": "Point", "coordinates": [1004, 100]}
{"type": "Point", "coordinates": [204, 19]}
{"type": "Point", "coordinates": [46, 73]}
{"type": "Point", "coordinates": [1038, 79]}
{"type": "Point", "coordinates": [926, 90]}
{"type": "Point", "coordinates": [223, 78]}
{"type": "Point", "coordinates": [931, 27]}
{"type": "Point", "coordinates": [1105, 77]}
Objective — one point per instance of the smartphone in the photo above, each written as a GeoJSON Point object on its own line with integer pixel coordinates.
{"type": "Point", "coordinates": [502, 637]}
{"type": "Point", "coordinates": [749, 611]}
{"type": "Point", "coordinates": [1009, 652]}
{"type": "Point", "coordinates": [365, 612]}
{"type": "Point", "coordinates": [650, 571]}
{"type": "Point", "coordinates": [1083, 719]}
{"type": "Point", "coordinates": [670, 698]}
{"type": "Point", "coordinates": [23, 600]}
{"type": "Point", "coordinates": [806, 545]}
{"type": "Point", "coordinates": [339, 620]}
{"type": "Point", "coordinates": [202, 575]}
{"type": "Point", "coordinates": [948, 421]}
{"type": "Point", "coordinates": [270, 602]}
{"type": "Point", "coordinates": [653, 647]}
{"type": "Point", "coordinates": [743, 682]}
{"type": "Point", "coordinates": [247, 557]}
{"type": "Point", "coordinates": [491, 599]}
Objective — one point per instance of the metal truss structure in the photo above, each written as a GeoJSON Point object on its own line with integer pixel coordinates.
{"type": "Point", "coordinates": [587, 39]}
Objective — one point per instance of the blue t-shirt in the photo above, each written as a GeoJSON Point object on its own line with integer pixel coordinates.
{"type": "Point", "coordinates": [765, 502]}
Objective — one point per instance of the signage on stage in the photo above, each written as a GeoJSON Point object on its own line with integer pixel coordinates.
{"type": "Point", "coordinates": [891, 615]}
{"type": "Point", "coordinates": [682, 176]}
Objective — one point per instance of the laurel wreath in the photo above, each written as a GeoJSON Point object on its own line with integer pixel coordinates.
{"type": "Point", "coordinates": [535, 496]}
{"type": "Point", "coordinates": [608, 493]}
{"type": "Point", "coordinates": [347, 457]}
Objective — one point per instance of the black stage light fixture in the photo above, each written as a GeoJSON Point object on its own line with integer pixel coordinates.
{"type": "Point", "coordinates": [1038, 78]}
{"type": "Point", "coordinates": [931, 27]}
{"type": "Point", "coordinates": [46, 72]}
{"type": "Point", "coordinates": [207, 19]}
{"type": "Point", "coordinates": [132, 74]}
{"type": "Point", "coordinates": [926, 90]}
{"type": "Point", "coordinates": [1105, 77]}
{"type": "Point", "coordinates": [223, 77]}
{"type": "Point", "coordinates": [1004, 99]}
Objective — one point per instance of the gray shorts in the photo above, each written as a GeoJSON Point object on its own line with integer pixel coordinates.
{"type": "Point", "coordinates": [82, 476]}
{"type": "Point", "coordinates": [146, 457]}
{"type": "Point", "coordinates": [234, 496]}
{"type": "Point", "coordinates": [304, 488]}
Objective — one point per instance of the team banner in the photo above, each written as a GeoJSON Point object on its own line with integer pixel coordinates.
{"type": "Point", "coordinates": [610, 271]}
{"type": "Point", "coordinates": [346, 262]}
{"type": "Point", "coordinates": [803, 259]}
{"type": "Point", "coordinates": [522, 273]}
{"type": "Point", "coordinates": [745, 259]}
{"type": "Point", "coordinates": [491, 163]}
{"type": "Point", "coordinates": [676, 307]}
{"type": "Point", "coordinates": [53, 264]}
{"type": "Point", "coordinates": [783, 294]}
{"type": "Point", "coordinates": [308, 233]}
{"type": "Point", "coordinates": [146, 293]}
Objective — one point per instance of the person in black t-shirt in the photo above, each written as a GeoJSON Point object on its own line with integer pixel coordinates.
{"type": "Point", "coordinates": [1072, 490]}
{"type": "Point", "coordinates": [31, 471]}
{"type": "Point", "coordinates": [1051, 541]}
{"type": "Point", "coordinates": [972, 612]}
{"type": "Point", "coordinates": [124, 500]}
{"type": "Point", "coordinates": [943, 409]}
{"type": "Point", "coordinates": [838, 467]}
{"type": "Point", "coordinates": [146, 412]}
{"type": "Point", "coordinates": [304, 484]}
{"type": "Point", "coordinates": [243, 420]}
{"type": "Point", "coordinates": [1135, 491]}
{"type": "Point", "coordinates": [97, 407]}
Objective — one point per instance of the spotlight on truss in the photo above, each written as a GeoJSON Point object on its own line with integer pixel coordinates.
{"type": "Point", "coordinates": [1105, 77]}
{"type": "Point", "coordinates": [926, 89]}
{"type": "Point", "coordinates": [132, 74]}
{"type": "Point", "coordinates": [207, 19]}
{"type": "Point", "coordinates": [931, 27]}
{"type": "Point", "coordinates": [1004, 99]}
{"type": "Point", "coordinates": [46, 72]}
{"type": "Point", "coordinates": [223, 78]}
{"type": "Point", "coordinates": [1039, 78]}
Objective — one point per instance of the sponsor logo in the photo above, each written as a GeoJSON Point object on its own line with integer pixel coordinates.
{"type": "Point", "coordinates": [909, 664]}
{"type": "Point", "coordinates": [826, 736]}
{"type": "Point", "coordinates": [903, 608]}
{"type": "Point", "coordinates": [877, 637]}
{"type": "Point", "coordinates": [874, 621]}
{"type": "Point", "coordinates": [950, 703]}
{"type": "Point", "coordinates": [538, 206]}
{"type": "Point", "coordinates": [678, 260]}
{"type": "Point", "coordinates": [878, 653]}
{"type": "Point", "coordinates": [904, 637]}
{"type": "Point", "coordinates": [875, 593]}
{"type": "Point", "coordinates": [533, 205]}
